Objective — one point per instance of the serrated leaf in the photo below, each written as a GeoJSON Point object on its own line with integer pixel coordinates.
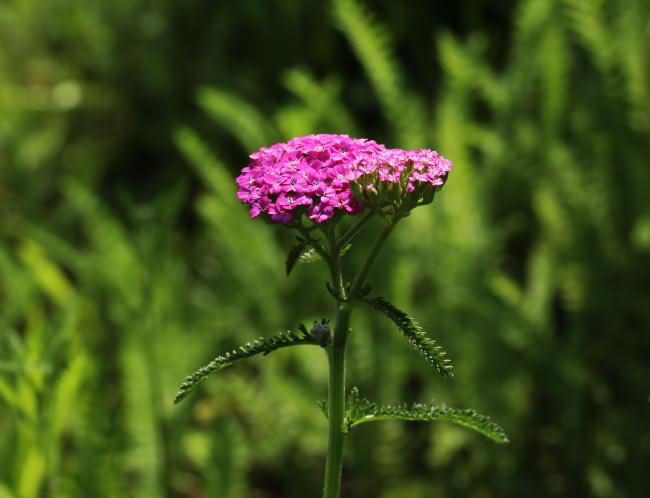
{"type": "Point", "coordinates": [294, 254]}
{"type": "Point", "coordinates": [322, 404]}
{"type": "Point", "coordinates": [360, 410]}
{"type": "Point", "coordinates": [263, 345]}
{"type": "Point", "coordinates": [309, 256]}
{"type": "Point", "coordinates": [301, 253]}
{"type": "Point", "coordinates": [435, 355]}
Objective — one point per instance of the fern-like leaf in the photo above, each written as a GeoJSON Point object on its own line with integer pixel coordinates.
{"type": "Point", "coordinates": [262, 345]}
{"type": "Point", "coordinates": [294, 254]}
{"type": "Point", "coordinates": [435, 355]}
{"type": "Point", "coordinates": [301, 253]}
{"type": "Point", "coordinates": [360, 410]}
{"type": "Point", "coordinates": [309, 255]}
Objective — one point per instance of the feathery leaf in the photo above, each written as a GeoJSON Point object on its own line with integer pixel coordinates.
{"type": "Point", "coordinates": [360, 410]}
{"type": "Point", "coordinates": [262, 345]}
{"type": "Point", "coordinates": [435, 355]}
{"type": "Point", "coordinates": [294, 254]}
{"type": "Point", "coordinates": [301, 253]}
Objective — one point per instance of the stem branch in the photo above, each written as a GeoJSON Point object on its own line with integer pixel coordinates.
{"type": "Point", "coordinates": [374, 252]}
{"type": "Point", "coordinates": [347, 237]}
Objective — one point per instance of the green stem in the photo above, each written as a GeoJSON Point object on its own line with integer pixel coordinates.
{"type": "Point", "coordinates": [336, 403]}
{"type": "Point", "coordinates": [363, 274]}
{"type": "Point", "coordinates": [336, 356]}
{"type": "Point", "coordinates": [347, 237]}
{"type": "Point", "coordinates": [334, 263]}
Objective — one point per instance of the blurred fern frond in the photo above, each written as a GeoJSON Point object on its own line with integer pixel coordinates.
{"type": "Point", "coordinates": [212, 171]}
{"type": "Point", "coordinates": [321, 106]}
{"type": "Point", "coordinates": [236, 115]}
{"type": "Point", "coordinates": [262, 345]}
{"type": "Point", "coordinates": [435, 355]}
{"type": "Point", "coordinates": [586, 19]}
{"type": "Point", "coordinates": [371, 42]}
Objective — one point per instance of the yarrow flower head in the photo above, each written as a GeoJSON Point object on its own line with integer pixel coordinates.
{"type": "Point", "coordinates": [324, 176]}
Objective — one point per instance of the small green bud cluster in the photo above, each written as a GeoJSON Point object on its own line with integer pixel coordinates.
{"type": "Point", "coordinates": [394, 196]}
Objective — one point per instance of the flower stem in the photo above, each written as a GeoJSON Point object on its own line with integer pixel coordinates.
{"type": "Point", "coordinates": [336, 403]}
{"type": "Point", "coordinates": [336, 356]}
{"type": "Point", "coordinates": [347, 237]}
{"type": "Point", "coordinates": [374, 252]}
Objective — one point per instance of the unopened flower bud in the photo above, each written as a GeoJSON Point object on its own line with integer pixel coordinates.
{"type": "Point", "coordinates": [321, 332]}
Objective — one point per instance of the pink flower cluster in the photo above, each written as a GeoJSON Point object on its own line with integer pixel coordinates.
{"type": "Point", "coordinates": [313, 174]}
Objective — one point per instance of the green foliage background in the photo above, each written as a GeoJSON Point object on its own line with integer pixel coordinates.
{"type": "Point", "coordinates": [126, 262]}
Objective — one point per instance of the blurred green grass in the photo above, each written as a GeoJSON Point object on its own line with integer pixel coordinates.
{"type": "Point", "coordinates": [125, 261]}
